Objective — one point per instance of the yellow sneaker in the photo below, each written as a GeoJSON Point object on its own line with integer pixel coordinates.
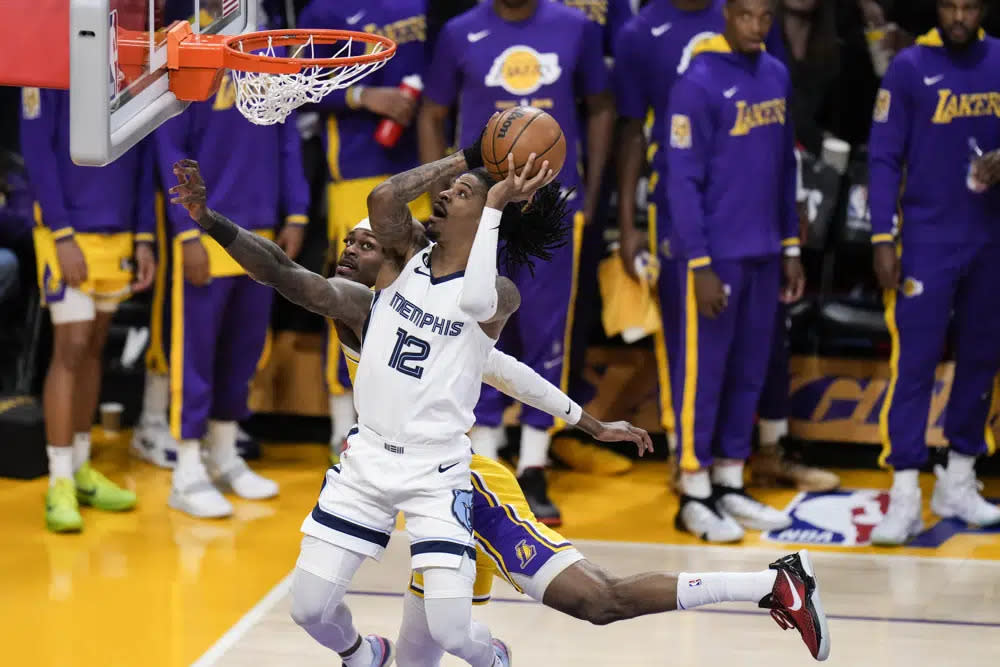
{"type": "Point", "coordinates": [62, 513]}
{"type": "Point", "coordinates": [96, 490]}
{"type": "Point", "coordinates": [589, 458]}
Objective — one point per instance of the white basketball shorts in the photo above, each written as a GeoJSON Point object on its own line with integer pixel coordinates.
{"type": "Point", "coordinates": [376, 479]}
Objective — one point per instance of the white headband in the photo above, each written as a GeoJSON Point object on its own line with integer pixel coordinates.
{"type": "Point", "coordinates": [364, 224]}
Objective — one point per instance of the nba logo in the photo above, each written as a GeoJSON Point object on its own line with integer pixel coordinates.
{"type": "Point", "coordinates": [113, 80]}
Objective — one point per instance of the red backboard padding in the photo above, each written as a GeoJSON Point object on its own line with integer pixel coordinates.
{"type": "Point", "coordinates": [34, 43]}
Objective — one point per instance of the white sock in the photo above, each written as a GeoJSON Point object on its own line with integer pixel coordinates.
{"type": "Point", "coordinates": [155, 398]}
{"type": "Point", "coordinates": [60, 463]}
{"type": "Point", "coordinates": [728, 472]}
{"type": "Point", "coordinates": [486, 441]}
{"type": "Point", "coordinates": [695, 590]}
{"type": "Point", "coordinates": [905, 482]}
{"type": "Point", "coordinates": [534, 449]}
{"type": "Point", "coordinates": [221, 439]}
{"type": "Point", "coordinates": [696, 484]}
{"type": "Point", "coordinates": [342, 416]}
{"type": "Point", "coordinates": [188, 454]}
{"type": "Point", "coordinates": [960, 466]}
{"type": "Point", "coordinates": [363, 657]}
{"type": "Point", "coordinates": [772, 431]}
{"type": "Point", "coordinates": [81, 449]}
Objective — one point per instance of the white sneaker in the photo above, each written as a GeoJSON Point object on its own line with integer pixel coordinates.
{"type": "Point", "coordinates": [902, 521]}
{"type": "Point", "coordinates": [748, 512]}
{"type": "Point", "coordinates": [704, 518]}
{"type": "Point", "coordinates": [244, 482]}
{"type": "Point", "coordinates": [959, 497]}
{"type": "Point", "coordinates": [193, 493]}
{"type": "Point", "coordinates": [152, 442]}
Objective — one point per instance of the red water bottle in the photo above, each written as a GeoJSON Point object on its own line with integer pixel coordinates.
{"type": "Point", "coordinates": [388, 131]}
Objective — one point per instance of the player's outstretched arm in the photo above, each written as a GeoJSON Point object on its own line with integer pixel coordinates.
{"type": "Point", "coordinates": [525, 385]}
{"type": "Point", "coordinates": [265, 262]}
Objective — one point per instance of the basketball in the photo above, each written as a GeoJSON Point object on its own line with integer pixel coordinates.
{"type": "Point", "coordinates": [522, 131]}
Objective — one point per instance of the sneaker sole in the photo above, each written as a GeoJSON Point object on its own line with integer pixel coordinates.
{"type": "Point", "coordinates": [937, 508]}
{"type": "Point", "coordinates": [64, 528]}
{"type": "Point", "coordinates": [107, 507]}
{"type": "Point", "coordinates": [824, 640]}
{"type": "Point", "coordinates": [181, 505]}
{"type": "Point", "coordinates": [914, 530]}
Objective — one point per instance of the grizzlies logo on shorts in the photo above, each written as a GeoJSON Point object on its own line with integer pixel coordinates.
{"type": "Point", "coordinates": [461, 507]}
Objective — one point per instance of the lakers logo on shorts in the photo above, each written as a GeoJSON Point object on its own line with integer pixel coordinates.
{"type": "Point", "coordinates": [525, 553]}
{"type": "Point", "coordinates": [461, 507]}
{"type": "Point", "coordinates": [521, 70]}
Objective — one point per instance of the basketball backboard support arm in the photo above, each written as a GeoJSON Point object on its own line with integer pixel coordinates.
{"type": "Point", "coordinates": [119, 87]}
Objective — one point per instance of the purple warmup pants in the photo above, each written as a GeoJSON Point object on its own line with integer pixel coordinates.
{"type": "Point", "coordinates": [721, 362]}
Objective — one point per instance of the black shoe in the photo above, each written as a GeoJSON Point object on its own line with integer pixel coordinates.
{"type": "Point", "coordinates": [536, 492]}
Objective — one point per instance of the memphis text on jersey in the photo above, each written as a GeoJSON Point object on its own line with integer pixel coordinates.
{"type": "Point", "coordinates": [416, 315]}
{"type": "Point", "coordinates": [752, 116]}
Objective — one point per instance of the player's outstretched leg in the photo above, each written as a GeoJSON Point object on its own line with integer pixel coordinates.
{"type": "Point", "coordinates": [788, 588]}
{"type": "Point", "coordinates": [322, 575]}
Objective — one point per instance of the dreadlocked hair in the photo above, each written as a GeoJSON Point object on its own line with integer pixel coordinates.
{"type": "Point", "coordinates": [532, 229]}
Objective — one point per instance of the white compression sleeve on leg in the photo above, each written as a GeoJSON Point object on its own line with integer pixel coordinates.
{"type": "Point", "coordinates": [524, 384]}
{"type": "Point", "coordinates": [448, 604]}
{"type": "Point", "coordinates": [479, 292]}
{"type": "Point", "coordinates": [415, 646]}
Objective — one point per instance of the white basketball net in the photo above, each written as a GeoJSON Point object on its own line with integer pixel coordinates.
{"type": "Point", "coordinates": [266, 99]}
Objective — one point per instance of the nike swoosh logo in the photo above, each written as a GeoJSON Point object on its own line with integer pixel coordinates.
{"type": "Point", "coordinates": [660, 29]}
{"type": "Point", "coordinates": [417, 270]}
{"type": "Point", "coordinates": [447, 468]}
{"type": "Point", "coordinates": [796, 599]}
{"type": "Point", "coordinates": [729, 93]}
{"type": "Point", "coordinates": [931, 80]}
{"type": "Point", "coordinates": [476, 36]}
{"type": "Point", "coordinates": [351, 20]}
{"type": "Point", "coordinates": [569, 407]}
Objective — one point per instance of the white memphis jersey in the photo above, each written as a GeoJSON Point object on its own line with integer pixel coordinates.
{"type": "Point", "coordinates": [422, 359]}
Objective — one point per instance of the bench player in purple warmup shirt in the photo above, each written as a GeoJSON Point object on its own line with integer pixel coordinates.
{"type": "Point", "coordinates": [731, 187]}
{"type": "Point", "coordinates": [498, 55]}
{"type": "Point", "coordinates": [94, 247]}
{"type": "Point", "coordinates": [650, 52]}
{"type": "Point", "coordinates": [941, 257]}
{"type": "Point", "coordinates": [218, 317]}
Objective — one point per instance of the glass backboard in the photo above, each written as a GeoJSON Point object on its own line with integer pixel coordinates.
{"type": "Point", "coordinates": [118, 67]}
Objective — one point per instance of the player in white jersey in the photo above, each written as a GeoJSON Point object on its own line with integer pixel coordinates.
{"type": "Point", "coordinates": [432, 323]}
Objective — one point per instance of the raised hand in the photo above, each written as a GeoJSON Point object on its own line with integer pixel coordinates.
{"type": "Point", "coordinates": [190, 190]}
{"type": "Point", "coordinates": [518, 187]}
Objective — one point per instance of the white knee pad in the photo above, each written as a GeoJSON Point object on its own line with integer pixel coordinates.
{"type": "Point", "coordinates": [322, 575]}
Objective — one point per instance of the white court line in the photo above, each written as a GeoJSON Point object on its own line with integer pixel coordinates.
{"type": "Point", "coordinates": [245, 624]}
{"type": "Point", "coordinates": [283, 587]}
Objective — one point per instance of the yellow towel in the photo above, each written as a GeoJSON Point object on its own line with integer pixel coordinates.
{"type": "Point", "coordinates": [630, 307]}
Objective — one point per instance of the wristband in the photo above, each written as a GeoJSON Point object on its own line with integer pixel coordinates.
{"type": "Point", "coordinates": [793, 251]}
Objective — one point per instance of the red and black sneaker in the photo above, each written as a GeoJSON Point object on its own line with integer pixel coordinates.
{"type": "Point", "coordinates": [794, 602]}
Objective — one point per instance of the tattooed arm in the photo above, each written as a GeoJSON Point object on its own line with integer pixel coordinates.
{"type": "Point", "coordinates": [388, 204]}
{"type": "Point", "coordinates": [508, 301]}
{"type": "Point", "coordinates": [339, 299]}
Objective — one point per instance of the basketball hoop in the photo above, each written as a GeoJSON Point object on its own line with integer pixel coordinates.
{"type": "Point", "coordinates": [268, 86]}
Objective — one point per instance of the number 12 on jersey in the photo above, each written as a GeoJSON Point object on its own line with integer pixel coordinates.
{"type": "Point", "coordinates": [407, 351]}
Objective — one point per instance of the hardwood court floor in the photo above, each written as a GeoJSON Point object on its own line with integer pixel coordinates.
{"type": "Point", "coordinates": [156, 588]}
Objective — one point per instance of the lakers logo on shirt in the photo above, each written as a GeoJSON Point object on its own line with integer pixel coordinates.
{"type": "Point", "coordinates": [965, 105]}
{"type": "Point", "coordinates": [31, 103]}
{"type": "Point", "coordinates": [751, 116]}
{"type": "Point", "coordinates": [912, 287]}
{"type": "Point", "coordinates": [680, 131]}
{"type": "Point", "coordinates": [525, 553]}
{"type": "Point", "coordinates": [521, 70]}
{"type": "Point", "coordinates": [882, 104]}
